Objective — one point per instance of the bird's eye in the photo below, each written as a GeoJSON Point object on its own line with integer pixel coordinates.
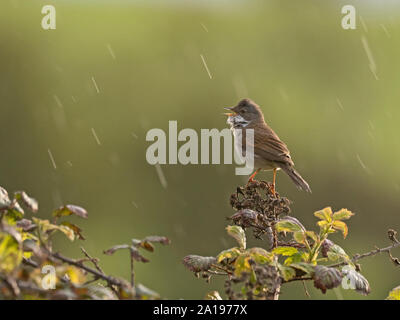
{"type": "Point", "coordinates": [243, 111]}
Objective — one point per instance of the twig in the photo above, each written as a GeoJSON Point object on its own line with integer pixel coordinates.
{"type": "Point", "coordinates": [368, 254]}
{"type": "Point", "coordinates": [109, 279]}
{"type": "Point", "coordinates": [95, 262]}
{"type": "Point", "coordinates": [132, 269]}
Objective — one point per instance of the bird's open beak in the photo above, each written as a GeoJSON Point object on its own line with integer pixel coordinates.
{"type": "Point", "coordinates": [229, 113]}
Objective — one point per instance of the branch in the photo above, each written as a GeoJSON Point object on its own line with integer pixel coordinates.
{"type": "Point", "coordinates": [395, 244]}
{"type": "Point", "coordinates": [109, 279]}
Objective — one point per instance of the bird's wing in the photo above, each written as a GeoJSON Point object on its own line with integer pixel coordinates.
{"type": "Point", "coordinates": [268, 145]}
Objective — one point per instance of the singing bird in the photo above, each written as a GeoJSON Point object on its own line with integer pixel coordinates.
{"type": "Point", "coordinates": [270, 152]}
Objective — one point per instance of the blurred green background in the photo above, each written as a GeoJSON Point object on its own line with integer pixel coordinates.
{"type": "Point", "coordinates": [312, 78]}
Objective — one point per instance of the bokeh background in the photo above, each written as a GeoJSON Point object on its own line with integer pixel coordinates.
{"type": "Point", "coordinates": [331, 94]}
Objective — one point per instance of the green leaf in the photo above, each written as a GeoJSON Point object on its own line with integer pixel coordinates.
{"type": "Point", "coordinates": [285, 251]}
{"type": "Point", "coordinates": [260, 255]}
{"type": "Point", "coordinates": [342, 214]}
{"type": "Point", "coordinates": [324, 214]}
{"type": "Point", "coordinates": [297, 257]}
{"type": "Point", "coordinates": [239, 235]}
{"type": "Point", "coordinates": [286, 272]}
{"type": "Point", "coordinates": [242, 265]}
{"type": "Point", "coordinates": [10, 253]}
{"type": "Point", "coordinates": [312, 235]}
{"type": "Point", "coordinates": [394, 294]}
{"type": "Point", "coordinates": [299, 237]}
{"type": "Point", "coordinates": [228, 254]}
{"type": "Point", "coordinates": [336, 252]}
{"type": "Point", "coordinates": [307, 268]}
{"type": "Point", "coordinates": [146, 293]}
{"type": "Point", "coordinates": [287, 226]}
{"type": "Point", "coordinates": [15, 212]}
{"type": "Point", "coordinates": [341, 226]}
{"type": "Point", "coordinates": [70, 209]}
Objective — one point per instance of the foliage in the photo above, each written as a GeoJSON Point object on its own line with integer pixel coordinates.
{"type": "Point", "coordinates": [30, 269]}
{"type": "Point", "coordinates": [292, 253]}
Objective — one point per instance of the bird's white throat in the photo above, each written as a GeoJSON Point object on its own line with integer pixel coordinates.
{"type": "Point", "coordinates": [237, 122]}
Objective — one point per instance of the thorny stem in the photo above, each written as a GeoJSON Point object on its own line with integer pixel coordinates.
{"type": "Point", "coordinates": [109, 279]}
{"type": "Point", "coordinates": [368, 254]}
{"type": "Point", "coordinates": [132, 270]}
{"type": "Point", "coordinates": [97, 266]}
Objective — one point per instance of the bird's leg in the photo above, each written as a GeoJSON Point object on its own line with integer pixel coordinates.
{"type": "Point", "coordinates": [253, 175]}
{"type": "Point", "coordinates": [273, 182]}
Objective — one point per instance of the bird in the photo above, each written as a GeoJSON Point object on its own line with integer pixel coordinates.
{"type": "Point", "coordinates": [270, 152]}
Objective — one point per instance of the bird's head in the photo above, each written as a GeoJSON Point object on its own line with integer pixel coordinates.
{"type": "Point", "coordinates": [247, 109]}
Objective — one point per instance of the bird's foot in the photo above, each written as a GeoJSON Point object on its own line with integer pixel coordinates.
{"type": "Point", "coordinates": [272, 189]}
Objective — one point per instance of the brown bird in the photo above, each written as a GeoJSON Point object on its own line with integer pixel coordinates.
{"type": "Point", "coordinates": [270, 152]}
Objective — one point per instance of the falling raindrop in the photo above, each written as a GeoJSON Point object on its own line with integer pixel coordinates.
{"type": "Point", "coordinates": [204, 27]}
{"type": "Point", "coordinates": [205, 66]}
{"type": "Point", "coordinates": [111, 51]}
{"type": "Point", "coordinates": [96, 137]}
{"type": "Point", "coordinates": [339, 103]}
{"type": "Point", "coordinates": [52, 159]}
{"type": "Point", "coordinates": [95, 85]}
{"type": "Point", "coordinates": [372, 64]}
{"type": "Point", "coordinates": [58, 101]}
{"type": "Point", "coordinates": [161, 176]}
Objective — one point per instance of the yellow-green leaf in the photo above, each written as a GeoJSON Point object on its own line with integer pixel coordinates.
{"type": "Point", "coordinates": [228, 254]}
{"type": "Point", "coordinates": [305, 267]}
{"type": "Point", "coordinates": [242, 265]}
{"type": "Point", "coordinates": [285, 251]}
{"type": "Point", "coordinates": [287, 273]}
{"type": "Point", "coordinates": [10, 253]}
{"type": "Point", "coordinates": [394, 294]}
{"type": "Point", "coordinates": [299, 236]}
{"type": "Point", "coordinates": [239, 235]}
{"type": "Point", "coordinates": [324, 214]}
{"type": "Point", "coordinates": [260, 255]}
{"type": "Point", "coordinates": [287, 226]}
{"type": "Point", "coordinates": [312, 235]}
{"type": "Point", "coordinates": [342, 214]}
{"type": "Point", "coordinates": [341, 226]}
{"type": "Point", "coordinates": [213, 295]}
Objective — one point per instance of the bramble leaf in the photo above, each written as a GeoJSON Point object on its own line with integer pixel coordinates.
{"type": "Point", "coordinates": [213, 295]}
{"type": "Point", "coordinates": [260, 255]}
{"type": "Point", "coordinates": [286, 272]}
{"type": "Point", "coordinates": [242, 264]}
{"type": "Point", "coordinates": [326, 278]}
{"type": "Point", "coordinates": [238, 234]}
{"type": "Point", "coordinates": [324, 214]}
{"type": "Point", "coordinates": [70, 209]}
{"type": "Point", "coordinates": [342, 214]}
{"type": "Point", "coordinates": [198, 263]}
{"type": "Point", "coordinates": [285, 251]}
{"type": "Point", "coordinates": [29, 202]}
{"type": "Point", "coordinates": [287, 226]}
{"type": "Point", "coordinates": [394, 294]}
{"type": "Point", "coordinates": [228, 254]}
{"type": "Point", "coordinates": [341, 226]}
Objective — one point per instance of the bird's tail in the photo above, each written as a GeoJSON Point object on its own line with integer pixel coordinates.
{"type": "Point", "coordinates": [296, 178]}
